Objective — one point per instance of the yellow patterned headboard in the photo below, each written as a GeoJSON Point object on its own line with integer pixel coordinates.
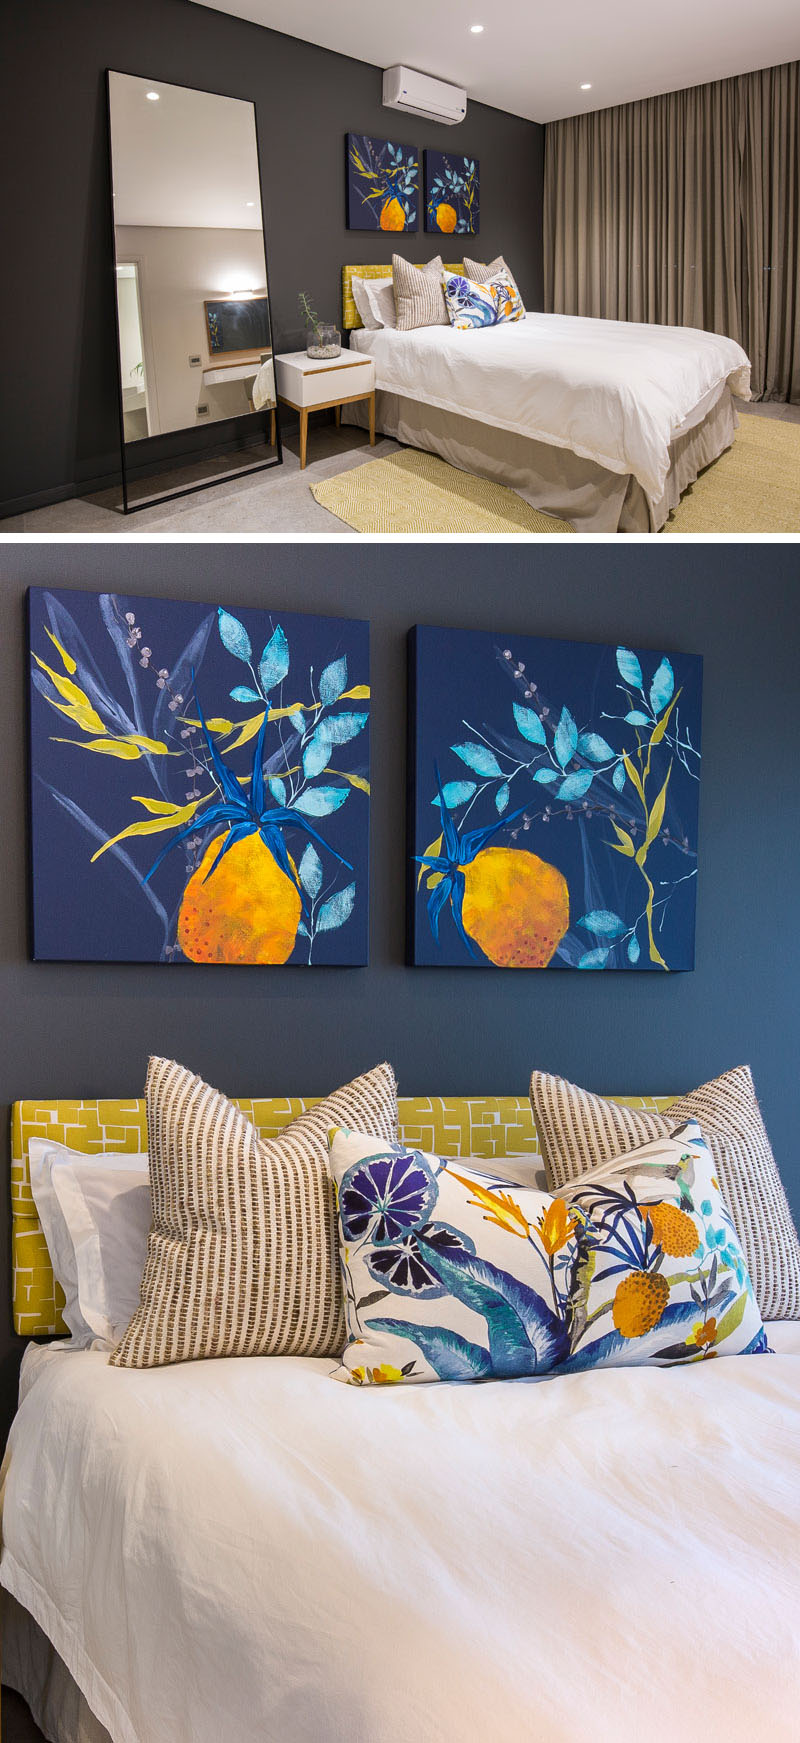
{"type": "Point", "coordinates": [486, 1126]}
{"type": "Point", "coordinates": [350, 315]}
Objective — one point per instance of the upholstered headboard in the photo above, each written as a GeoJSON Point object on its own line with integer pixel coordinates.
{"type": "Point", "coordinates": [350, 315]}
{"type": "Point", "coordinates": [485, 1126]}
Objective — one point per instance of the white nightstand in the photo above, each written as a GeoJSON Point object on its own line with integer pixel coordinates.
{"type": "Point", "coordinates": [312, 384]}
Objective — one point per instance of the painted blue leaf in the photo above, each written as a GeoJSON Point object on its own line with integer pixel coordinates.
{"type": "Point", "coordinates": [478, 757]}
{"type": "Point", "coordinates": [298, 721]}
{"type": "Point", "coordinates": [333, 681]}
{"type": "Point", "coordinates": [546, 776]}
{"type": "Point", "coordinates": [274, 662]}
{"type": "Point", "coordinates": [629, 668]}
{"type": "Point", "coordinates": [310, 870]}
{"type": "Point", "coordinates": [637, 718]}
{"type": "Point", "coordinates": [633, 949]}
{"type": "Point", "coordinates": [340, 728]}
{"type": "Point", "coordinates": [618, 778]}
{"type": "Point", "coordinates": [316, 755]}
{"type": "Point", "coordinates": [242, 694]}
{"type": "Point", "coordinates": [565, 742]}
{"type": "Point", "coordinates": [451, 1356]}
{"type": "Point", "coordinates": [456, 793]}
{"type": "Point", "coordinates": [525, 1337]}
{"type": "Point", "coordinates": [575, 786]}
{"type": "Point", "coordinates": [613, 1345]}
{"type": "Point", "coordinates": [334, 912]}
{"type": "Point", "coordinates": [321, 801]}
{"type": "Point", "coordinates": [603, 923]}
{"type": "Point", "coordinates": [593, 746]}
{"type": "Point", "coordinates": [277, 788]}
{"type": "Point", "coordinates": [234, 636]}
{"type": "Point", "coordinates": [594, 959]}
{"type": "Point", "coordinates": [302, 930]}
{"type": "Point", "coordinates": [502, 797]}
{"type": "Point", "coordinates": [662, 687]}
{"type": "Point", "coordinates": [529, 724]}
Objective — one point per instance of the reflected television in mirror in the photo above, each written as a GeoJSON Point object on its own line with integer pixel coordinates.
{"type": "Point", "coordinates": [196, 377]}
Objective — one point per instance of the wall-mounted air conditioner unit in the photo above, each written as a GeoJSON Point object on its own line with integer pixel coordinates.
{"type": "Point", "coordinates": [417, 94]}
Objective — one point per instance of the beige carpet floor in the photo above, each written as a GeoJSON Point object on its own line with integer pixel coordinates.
{"type": "Point", "coordinates": [412, 492]}
{"type": "Point", "coordinates": [753, 488]}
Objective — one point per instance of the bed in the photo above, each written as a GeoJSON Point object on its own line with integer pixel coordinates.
{"type": "Point", "coordinates": [226, 1550]}
{"type": "Point", "coordinates": [604, 423]}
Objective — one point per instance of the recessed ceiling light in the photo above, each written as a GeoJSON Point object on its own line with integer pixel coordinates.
{"type": "Point", "coordinates": [586, 87]}
{"type": "Point", "coordinates": [152, 96]}
{"type": "Point", "coordinates": [476, 29]}
{"type": "Point", "coordinates": [249, 202]}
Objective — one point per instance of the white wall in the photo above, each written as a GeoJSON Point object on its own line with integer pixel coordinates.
{"type": "Point", "coordinates": [179, 270]}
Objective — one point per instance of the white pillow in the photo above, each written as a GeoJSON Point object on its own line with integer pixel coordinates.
{"type": "Point", "coordinates": [374, 299]}
{"type": "Point", "coordinates": [102, 1220]}
{"type": "Point", "coordinates": [41, 1156]}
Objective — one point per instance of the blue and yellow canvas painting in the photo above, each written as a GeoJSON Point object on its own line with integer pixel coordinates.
{"type": "Point", "coordinates": [452, 194]}
{"type": "Point", "coordinates": [382, 182]}
{"type": "Point", "coordinates": [199, 782]}
{"type": "Point", "coordinates": [554, 803]}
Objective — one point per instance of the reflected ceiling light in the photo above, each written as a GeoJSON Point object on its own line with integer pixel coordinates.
{"type": "Point", "coordinates": [241, 296]}
{"type": "Point", "coordinates": [152, 96]}
{"type": "Point", "coordinates": [476, 29]}
{"type": "Point", "coordinates": [249, 202]}
{"type": "Point", "coordinates": [586, 87]}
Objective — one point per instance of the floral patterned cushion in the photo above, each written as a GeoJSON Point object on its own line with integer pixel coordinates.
{"type": "Point", "coordinates": [482, 305]}
{"type": "Point", "coordinates": [451, 1274]}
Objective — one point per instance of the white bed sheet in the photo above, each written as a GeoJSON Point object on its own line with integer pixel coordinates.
{"type": "Point", "coordinates": [615, 392]}
{"type": "Point", "coordinates": [246, 1549]}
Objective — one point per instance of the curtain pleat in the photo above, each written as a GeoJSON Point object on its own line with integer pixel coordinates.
{"type": "Point", "coordinates": [685, 210]}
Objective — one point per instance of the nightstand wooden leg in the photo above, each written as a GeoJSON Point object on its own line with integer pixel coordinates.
{"type": "Point", "coordinates": [337, 415]}
{"type": "Point", "coordinates": [372, 420]}
{"type": "Point", "coordinates": [272, 428]}
{"type": "Point", "coordinates": [303, 436]}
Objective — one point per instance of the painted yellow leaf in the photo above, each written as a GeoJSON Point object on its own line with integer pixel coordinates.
{"type": "Point", "coordinates": [70, 665]}
{"type": "Point", "coordinates": [75, 704]}
{"type": "Point", "coordinates": [634, 775]}
{"type": "Point", "coordinates": [498, 1207]}
{"type": "Point", "coordinates": [661, 726]}
{"type": "Point", "coordinates": [179, 815]}
{"type": "Point", "coordinates": [250, 729]}
{"type": "Point", "coordinates": [109, 747]}
{"type": "Point", "coordinates": [359, 693]}
{"type": "Point", "coordinates": [656, 817]}
{"type": "Point", "coordinates": [155, 746]}
{"type": "Point", "coordinates": [435, 877]}
{"type": "Point", "coordinates": [159, 807]}
{"type": "Point", "coordinates": [355, 780]}
{"type": "Point", "coordinates": [625, 845]}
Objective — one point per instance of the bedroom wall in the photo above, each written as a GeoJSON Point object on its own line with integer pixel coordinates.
{"type": "Point", "coordinates": [87, 1029]}
{"type": "Point", "coordinates": [59, 430]}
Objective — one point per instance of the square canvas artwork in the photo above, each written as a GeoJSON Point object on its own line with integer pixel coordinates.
{"type": "Point", "coordinates": [554, 803]}
{"type": "Point", "coordinates": [452, 194]}
{"type": "Point", "coordinates": [382, 184]}
{"type": "Point", "coordinates": [199, 782]}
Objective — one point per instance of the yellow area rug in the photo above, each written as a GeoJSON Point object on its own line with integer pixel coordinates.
{"type": "Point", "coordinates": [412, 492]}
{"type": "Point", "coordinates": [752, 488]}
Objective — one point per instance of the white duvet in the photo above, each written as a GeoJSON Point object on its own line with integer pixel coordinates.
{"type": "Point", "coordinates": [616, 392]}
{"type": "Point", "coordinates": [238, 1550]}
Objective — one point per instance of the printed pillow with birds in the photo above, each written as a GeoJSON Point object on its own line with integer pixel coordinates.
{"type": "Point", "coordinates": [454, 1275]}
{"type": "Point", "coordinates": [481, 305]}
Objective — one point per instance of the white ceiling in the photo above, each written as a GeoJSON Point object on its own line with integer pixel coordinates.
{"type": "Point", "coordinates": [534, 55]}
{"type": "Point", "coordinates": [188, 159]}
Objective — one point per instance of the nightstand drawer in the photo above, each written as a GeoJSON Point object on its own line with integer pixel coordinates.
{"type": "Point", "coordinates": [325, 383]}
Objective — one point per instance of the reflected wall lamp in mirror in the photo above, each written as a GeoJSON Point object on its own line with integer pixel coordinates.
{"type": "Point", "coordinates": [196, 378]}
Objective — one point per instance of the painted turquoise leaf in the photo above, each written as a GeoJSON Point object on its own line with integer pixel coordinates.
{"type": "Point", "coordinates": [618, 778]}
{"type": "Point", "coordinates": [333, 681]}
{"type": "Point", "coordinates": [565, 742]}
{"type": "Point", "coordinates": [234, 636]}
{"type": "Point", "coordinates": [340, 728]}
{"type": "Point", "coordinates": [274, 663]}
{"type": "Point", "coordinates": [529, 724]}
{"type": "Point", "coordinates": [242, 694]}
{"type": "Point", "coordinates": [456, 793]}
{"type": "Point", "coordinates": [576, 786]}
{"type": "Point", "coordinates": [594, 959]}
{"type": "Point", "coordinates": [634, 951]}
{"type": "Point", "coordinates": [502, 797]}
{"type": "Point", "coordinates": [321, 801]}
{"type": "Point", "coordinates": [595, 747]}
{"type": "Point", "coordinates": [603, 923]}
{"type": "Point", "coordinates": [629, 668]}
{"type": "Point", "coordinates": [662, 687]}
{"type": "Point", "coordinates": [316, 755]}
{"type": "Point", "coordinates": [478, 757]}
{"type": "Point", "coordinates": [277, 788]}
{"type": "Point", "coordinates": [637, 718]}
{"type": "Point", "coordinates": [608, 1348]}
{"type": "Point", "coordinates": [545, 777]}
{"type": "Point", "coordinates": [334, 912]}
{"type": "Point", "coordinates": [524, 1335]}
{"type": "Point", "coordinates": [310, 870]}
{"type": "Point", "coordinates": [451, 1357]}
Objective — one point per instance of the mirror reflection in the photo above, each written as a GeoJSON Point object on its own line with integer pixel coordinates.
{"type": "Point", "coordinates": [195, 343]}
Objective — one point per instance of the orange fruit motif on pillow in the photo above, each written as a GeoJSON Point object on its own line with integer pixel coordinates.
{"type": "Point", "coordinates": [248, 911]}
{"type": "Point", "coordinates": [516, 907]}
{"type": "Point", "coordinates": [639, 1303]}
{"type": "Point", "coordinates": [673, 1229]}
{"type": "Point", "coordinates": [392, 215]}
{"type": "Point", "coordinates": [446, 217]}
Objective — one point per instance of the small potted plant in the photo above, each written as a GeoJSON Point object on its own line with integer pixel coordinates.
{"type": "Point", "coordinates": [322, 338]}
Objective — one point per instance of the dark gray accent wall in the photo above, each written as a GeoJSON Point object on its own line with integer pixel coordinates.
{"type": "Point", "coordinates": [87, 1029]}
{"type": "Point", "coordinates": [58, 430]}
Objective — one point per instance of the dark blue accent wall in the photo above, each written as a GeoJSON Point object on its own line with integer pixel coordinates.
{"type": "Point", "coordinates": [87, 1029]}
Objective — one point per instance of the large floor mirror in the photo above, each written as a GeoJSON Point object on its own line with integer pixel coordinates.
{"type": "Point", "coordinates": [196, 375]}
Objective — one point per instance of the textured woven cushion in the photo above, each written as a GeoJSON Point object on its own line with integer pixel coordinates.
{"type": "Point", "coordinates": [470, 304]}
{"type": "Point", "coordinates": [418, 294]}
{"type": "Point", "coordinates": [479, 273]}
{"type": "Point", "coordinates": [578, 1130]}
{"type": "Point", "coordinates": [455, 1275]}
{"type": "Point", "coordinates": [241, 1258]}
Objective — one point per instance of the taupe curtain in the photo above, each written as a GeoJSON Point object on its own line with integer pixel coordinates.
{"type": "Point", "coordinates": [685, 210]}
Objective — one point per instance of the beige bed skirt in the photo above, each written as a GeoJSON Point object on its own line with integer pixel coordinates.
{"type": "Point", "coordinates": [32, 1667]}
{"type": "Point", "coordinates": [554, 479]}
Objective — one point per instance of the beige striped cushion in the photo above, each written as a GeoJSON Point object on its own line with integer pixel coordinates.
{"type": "Point", "coordinates": [477, 273]}
{"type": "Point", "coordinates": [418, 294]}
{"type": "Point", "coordinates": [578, 1130]}
{"type": "Point", "coordinates": [242, 1257]}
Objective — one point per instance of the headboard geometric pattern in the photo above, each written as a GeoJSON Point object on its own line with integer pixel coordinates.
{"type": "Point", "coordinates": [350, 315]}
{"type": "Point", "coordinates": [482, 1126]}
